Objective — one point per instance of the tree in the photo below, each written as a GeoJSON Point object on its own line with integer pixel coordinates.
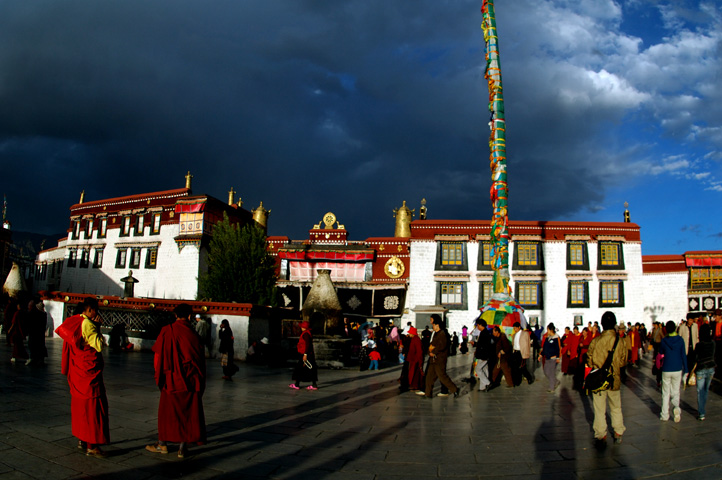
{"type": "Point", "coordinates": [239, 267]}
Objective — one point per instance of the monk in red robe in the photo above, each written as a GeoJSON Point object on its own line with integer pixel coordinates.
{"type": "Point", "coordinates": [571, 351]}
{"type": "Point", "coordinates": [416, 360]}
{"type": "Point", "coordinates": [180, 373]}
{"type": "Point", "coordinates": [82, 363]}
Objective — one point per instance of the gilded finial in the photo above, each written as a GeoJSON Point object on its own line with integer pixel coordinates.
{"type": "Point", "coordinates": [403, 215]}
{"type": "Point", "coordinates": [260, 215]}
{"type": "Point", "coordinates": [189, 177]}
{"type": "Point", "coordinates": [82, 196]}
{"type": "Point", "coordinates": [422, 210]}
{"type": "Point", "coordinates": [240, 203]}
{"type": "Point", "coordinates": [231, 196]}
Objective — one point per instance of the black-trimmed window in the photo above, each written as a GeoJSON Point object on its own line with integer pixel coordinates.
{"type": "Point", "coordinates": [155, 226]}
{"type": "Point", "coordinates": [75, 234]}
{"type": "Point", "coordinates": [84, 258]}
{"type": "Point", "coordinates": [451, 256]}
{"type": "Point", "coordinates": [121, 257]}
{"type": "Point", "coordinates": [125, 226]}
{"type": "Point", "coordinates": [103, 227]}
{"type": "Point", "coordinates": [529, 294]}
{"type": "Point", "coordinates": [611, 293]}
{"type": "Point", "coordinates": [610, 256]}
{"type": "Point", "coordinates": [578, 294]}
{"type": "Point", "coordinates": [98, 260]}
{"type": "Point", "coordinates": [452, 295]}
{"type": "Point", "coordinates": [484, 262]}
{"type": "Point", "coordinates": [151, 258]}
{"type": "Point", "coordinates": [72, 256]}
{"type": "Point", "coordinates": [139, 225]}
{"type": "Point", "coordinates": [89, 229]}
{"type": "Point", "coordinates": [134, 257]}
{"type": "Point", "coordinates": [577, 256]}
{"type": "Point", "coordinates": [528, 256]}
{"type": "Point", "coordinates": [486, 289]}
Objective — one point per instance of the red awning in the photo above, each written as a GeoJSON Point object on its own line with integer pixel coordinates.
{"type": "Point", "coordinates": [327, 256]}
{"type": "Point", "coordinates": [190, 208]}
{"type": "Point", "coordinates": [704, 261]}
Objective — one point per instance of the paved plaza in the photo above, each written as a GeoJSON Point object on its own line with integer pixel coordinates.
{"type": "Point", "coordinates": [355, 427]}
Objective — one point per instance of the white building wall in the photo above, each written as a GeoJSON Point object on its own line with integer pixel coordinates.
{"type": "Point", "coordinates": [555, 277]}
{"type": "Point", "coordinates": [665, 297]}
{"type": "Point", "coordinates": [175, 275]}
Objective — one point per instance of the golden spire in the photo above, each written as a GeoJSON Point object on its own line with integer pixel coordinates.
{"type": "Point", "coordinates": [82, 196]}
{"type": "Point", "coordinates": [403, 215]}
{"type": "Point", "coordinates": [260, 215]}
{"type": "Point", "coordinates": [240, 203]}
{"type": "Point", "coordinates": [189, 177]}
{"type": "Point", "coordinates": [422, 210]}
{"type": "Point", "coordinates": [231, 196]}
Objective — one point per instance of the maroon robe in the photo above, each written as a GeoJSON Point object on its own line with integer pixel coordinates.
{"type": "Point", "coordinates": [180, 373]}
{"type": "Point", "coordinates": [83, 365]}
{"type": "Point", "coordinates": [416, 363]}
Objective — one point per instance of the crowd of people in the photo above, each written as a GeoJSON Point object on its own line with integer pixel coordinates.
{"type": "Point", "coordinates": [684, 354]}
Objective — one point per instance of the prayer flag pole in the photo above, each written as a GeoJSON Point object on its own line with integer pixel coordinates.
{"type": "Point", "coordinates": [501, 304]}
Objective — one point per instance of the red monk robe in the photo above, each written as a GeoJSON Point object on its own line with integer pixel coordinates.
{"type": "Point", "coordinates": [180, 373]}
{"type": "Point", "coordinates": [571, 352]}
{"type": "Point", "coordinates": [82, 363]}
{"type": "Point", "coordinates": [635, 343]}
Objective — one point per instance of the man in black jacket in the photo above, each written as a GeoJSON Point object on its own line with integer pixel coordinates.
{"type": "Point", "coordinates": [482, 354]}
{"type": "Point", "coordinates": [438, 354]}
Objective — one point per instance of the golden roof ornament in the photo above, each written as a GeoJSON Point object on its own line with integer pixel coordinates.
{"type": "Point", "coordinates": [260, 215]}
{"type": "Point", "coordinates": [403, 215]}
{"type": "Point", "coordinates": [82, 196]}
{"type": "Point", "coordinates": [231, 196]}
{"type": "Point", "coordinates": [422, 210]}
{"type": "Point", "coordinates": [189, 177]}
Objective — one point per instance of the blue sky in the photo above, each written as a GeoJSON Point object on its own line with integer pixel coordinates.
{"type": "Point", "coordinates": [355, 106]}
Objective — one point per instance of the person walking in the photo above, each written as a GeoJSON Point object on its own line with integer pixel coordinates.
{"type": "Point", "coordinates": [483, 352]}
{"type": "Point", "coordinates": [180, 373]}
{"type": "Point", "coordinates": [521, 354]}
{"type": "Point", "coordinates": [674, 366]}
{"type": "Point", "coordinates": [438, 355]}
{"type": "Point", "coordinates": [37, 324]}
{"type": "Point", "coordinates": [82, 362]}
{"type": "Point", "coordinates": [549, 356]}
{"type": "Point", "coordinates": [225, 335]}
{"type": "Point", "coordinates": [306, 369]}
{"type": "Point", "coordinates": [705, 355]}
{"type": "Point", "coordinates": [597, 354]}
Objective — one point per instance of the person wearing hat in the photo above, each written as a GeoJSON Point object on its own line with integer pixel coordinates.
{"type": "Point", "coordinates": [306, 369]}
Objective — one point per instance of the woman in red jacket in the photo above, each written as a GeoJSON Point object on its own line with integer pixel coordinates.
{"type": "Point", "coordinates": [306, 369]}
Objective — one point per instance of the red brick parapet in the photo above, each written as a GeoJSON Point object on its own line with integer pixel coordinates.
{"type": "Point", "coordinates": [150, 304]}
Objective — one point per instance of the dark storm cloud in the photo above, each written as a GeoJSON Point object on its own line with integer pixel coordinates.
{"type": "Point", "coordinates": [308, 106]}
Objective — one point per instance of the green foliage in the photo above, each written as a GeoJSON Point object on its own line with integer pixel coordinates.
{"type": "Point", "coordinates": [239, 267]}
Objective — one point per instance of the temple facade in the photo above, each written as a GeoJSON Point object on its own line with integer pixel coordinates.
{"type": "Point", "coordinates": [561, 272]}
{"type": "Point", "coordinates": [370, 276]}
{"type": "Point", "coordinates": [155, 241]}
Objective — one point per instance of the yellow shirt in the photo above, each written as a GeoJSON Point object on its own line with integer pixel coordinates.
{"type": "Point", "coordinates": [92, 335]}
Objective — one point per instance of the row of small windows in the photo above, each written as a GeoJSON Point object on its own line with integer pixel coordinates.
{"type": "Point", "coordinates": [128, 225]}
{"type": "Point", "coordinates": [41, 271]}
{"type": "Point", "coordinates": [151, 258]}
{"type": "Point", "coordinates": [529, 256]}
{"type": "Point", "coordinates": [529, 294]}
